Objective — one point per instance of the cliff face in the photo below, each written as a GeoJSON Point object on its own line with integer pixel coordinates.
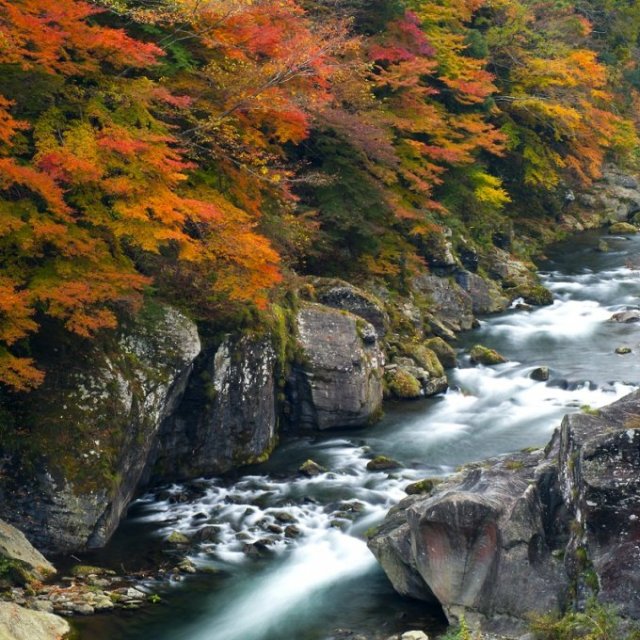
{"type": "Point", "coordinates": [91, 428]}
{"type": "Point", "coordinates": [526, 534]}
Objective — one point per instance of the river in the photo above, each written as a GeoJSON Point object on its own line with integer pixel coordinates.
{"type": "Point", "coordinates": [311, 572]}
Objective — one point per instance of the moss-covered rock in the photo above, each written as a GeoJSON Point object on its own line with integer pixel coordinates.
{"type": "Point", "coordinates": [534, 294]}
{"type": "Point", "coordinates": [426, 359]}
{"type": "Point", "coordinates": [177, 538]}
{"type": "Point", "coordinates": [623, 228]}
{"type": "Point", "coordinates": [422, 487]}
{"type": "Point", "coordinates": [67, 481]}
{"type": "Point", "coordinates": [311, 469]}
{"type": "Point", "coordinates": [445, 352]}
{"type": "Point", "coordinates": [402, 385]}
{"type": "Point", "coordinates": [480, 354]}
{"type": "Point", "coordinates": [383, 463]}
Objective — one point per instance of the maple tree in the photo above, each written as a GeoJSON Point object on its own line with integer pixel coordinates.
{"type": "Point", "coordinates": [190, 146]}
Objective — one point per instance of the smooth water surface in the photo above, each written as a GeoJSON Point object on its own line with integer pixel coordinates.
{"type": "Point", "coordinates": [307, 581]}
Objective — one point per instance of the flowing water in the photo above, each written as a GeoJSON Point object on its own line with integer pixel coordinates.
{"type": "Point", "coordinates": [286, 557]}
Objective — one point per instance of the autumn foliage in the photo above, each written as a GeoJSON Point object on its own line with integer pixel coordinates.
{"type": "Point", "coordinates": [192, 148]}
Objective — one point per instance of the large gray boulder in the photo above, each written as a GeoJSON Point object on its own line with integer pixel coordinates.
{"type": "Point", "coordinates": [516, 536]}
{"type": "Point", "coordinates": [17, 623]}
{"type": "Point", "coordinates": [95, 421]}
{"type": "Point", "coordinates": [228, 416]}
{"type": "Point", "coordinates": [338, 379]}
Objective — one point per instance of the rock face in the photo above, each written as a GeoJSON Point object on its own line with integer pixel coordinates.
{"type": "Point", "coordinates": [228, 415]}
{"type": "Point", "coordinates": [339, 380]}
{"type": "Point", "coordinates": [520, 535]}
{"type": "Point", "coordinates": [449, 302]}
{"type": "Point", "coordinates": [17, 623]}
{"type": "Point", "coordinates": [97, 417]}
{"type": "Point", "coordinates": [486, 296]}
{"type": "Point", "coordinates": [615, 198]}
{"type": "Point", "coordinates": [342, 295]}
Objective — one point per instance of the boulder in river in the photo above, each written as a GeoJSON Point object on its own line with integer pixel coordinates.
{"type": "Point", "coordinates": [480, 354]}
{"type": "Point", "coordinates": [521, 535]}
{"type": "Point", "coordinates": [540, 374]}
{"type": "Point", "coordinates": [337, 381]}
{"type": "Point", "coordinates": [623, 228]}
{"type": "Point", "coordinates": [627, 317]}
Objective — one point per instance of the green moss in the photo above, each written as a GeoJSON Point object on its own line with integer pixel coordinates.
{"type": "Point", "coordinates": [84, 570]}
{"type": "Point", "coordinates": [483, 355]}
{"type": "Point", "coordinates": [15, 572]}
{"type": "Point", "coordinates": [427, 359]}
{"type": "Point", "coordinates": [514, 465]}
{"type": "Point", "coordinates": [596, 622]}
{"type": "Point", "coordinates": [420, 487]}
{"type": "Point", "coordinates": [534, 294]}
{"type": "Point", "coordinates": [446, 354]}
{"type": "Point", "coordinates": [403, 385]}
{"type": "Point", "coordinates": [590, 411]}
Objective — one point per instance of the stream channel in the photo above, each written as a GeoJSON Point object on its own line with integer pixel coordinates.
{"type": "Point", "coordinates": [321, 576]}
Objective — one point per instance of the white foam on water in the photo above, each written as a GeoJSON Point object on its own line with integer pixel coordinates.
{"type": "Point", "coordinates": [322, 560]}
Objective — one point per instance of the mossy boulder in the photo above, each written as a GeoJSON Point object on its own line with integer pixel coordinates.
{"type": "Point", "coordinates": [20, 562]}
{"type": "Point", "coordinates": [383, 463]}
{"type": "Point", "coordinates": [426, 359]}
{"type": "Point", "coordinates": [533, 294]}
{"type": "Point", "coordinates": [178, 539]}
{"type": "Point", "coordinates": [402, 385]}
{"type": "Point", "coordinates": [311, 469]}
{"type": "Point", "coordinates": [445, 352]}
{"type": "Point", "coordinates": [623, 228]}
{"type": "Point", "coordinates": [422, 487]}
{"type": "Point", "coordinates": [480, 354]}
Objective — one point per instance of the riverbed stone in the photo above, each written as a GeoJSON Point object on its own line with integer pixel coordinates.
{"type": "Point", "coordinates": [311, 469]}
{"type": "Point", "coordinates": [338, 380]}
{"type": "Point", "coordinates": [540, 374]}
{"type": "Point", "coordinates": [626, 317]}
